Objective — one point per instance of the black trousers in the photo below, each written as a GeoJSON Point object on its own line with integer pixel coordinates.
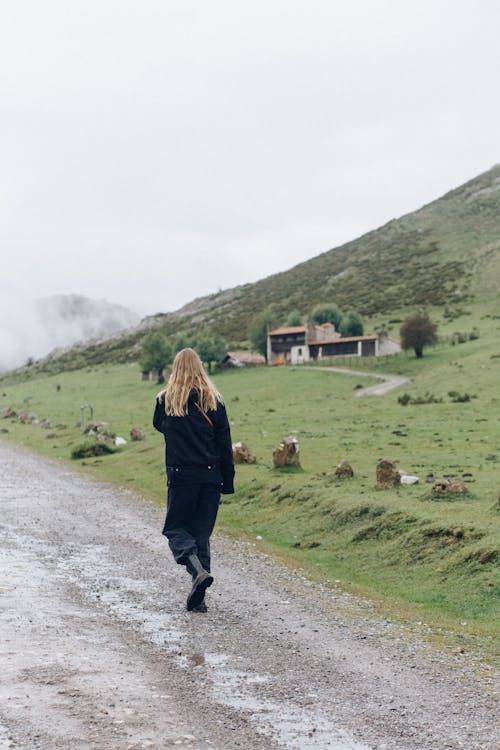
{"type": "Point", "coordinates": [191, 514]}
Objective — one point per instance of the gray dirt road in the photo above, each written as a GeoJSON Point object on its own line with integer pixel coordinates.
{"type": "Point", "coordinates": [97, 650]}
{"type": "Point", "coordinates": [388, 382]}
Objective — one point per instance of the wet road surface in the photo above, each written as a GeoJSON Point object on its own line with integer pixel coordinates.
{"type": "Point", "coordinates": [97, 650]}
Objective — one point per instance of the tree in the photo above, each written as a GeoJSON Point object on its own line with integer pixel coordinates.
{"type": "Point", "coordinates": [418, 331]}
{"type": "Point", "coordinates": [326, 313]}
{"type": "Point", "coordinates": [294, 318]}
{"type": "Point", "coordinates": [156, 353]}
{"type": "Point", "coordinates": [181, 341]}
{"type": "Point", "coordinates": [210, 348]}
{"type": "Point", "coordinates": [257, 332]}
{"type": "Point", "coordinates": [351, 324]}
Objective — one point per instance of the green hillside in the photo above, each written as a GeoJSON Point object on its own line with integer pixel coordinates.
{"type": "Point", "coordinates": [419, 554]}
{"type": "Point", "coordinates": [437, 556]}
{"type": "Point", "coordinates": [445, 255]}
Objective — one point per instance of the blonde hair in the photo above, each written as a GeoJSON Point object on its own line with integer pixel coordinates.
{"type": "Point", "coordinates": [188, 374]}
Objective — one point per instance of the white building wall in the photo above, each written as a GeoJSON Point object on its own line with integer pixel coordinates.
{"type": "Point", "coordinates": [299, 354]}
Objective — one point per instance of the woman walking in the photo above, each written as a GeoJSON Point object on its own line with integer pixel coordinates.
{"type": "Point", "coordinates": [191, 415]}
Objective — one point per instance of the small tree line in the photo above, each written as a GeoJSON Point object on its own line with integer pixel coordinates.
{"type": "Point", "coordinates": [158, 351]}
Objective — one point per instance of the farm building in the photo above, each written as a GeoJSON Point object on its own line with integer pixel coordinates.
{"type": "Point", "coordinates": [242, 359]}
{"type": "Point", "coordinates": [299, 344]}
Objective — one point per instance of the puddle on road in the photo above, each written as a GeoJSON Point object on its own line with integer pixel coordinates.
{"type": "Point", "coordinates": [289, 724]}
{"type": "Point", "coordinates": [90, 567]}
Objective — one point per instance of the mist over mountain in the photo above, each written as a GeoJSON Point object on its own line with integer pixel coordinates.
{"type": "Point", "coordinates": [56, 322]}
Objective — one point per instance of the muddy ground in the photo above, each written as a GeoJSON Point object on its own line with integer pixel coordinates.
{"type": "Point", "coordinates": [97, 650]}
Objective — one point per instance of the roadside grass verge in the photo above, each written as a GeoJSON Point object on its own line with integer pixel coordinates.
{"type": "Point", "coordinates": [439, 555]}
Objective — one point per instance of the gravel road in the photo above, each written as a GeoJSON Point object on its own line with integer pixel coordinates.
{"type": "Point", "coordinates": [97, 650]}
{"type": "Point", "coordinates": [388, 382]}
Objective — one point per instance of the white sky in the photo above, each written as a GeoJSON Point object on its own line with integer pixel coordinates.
{"type": "Point", "coordinates": [154, 151]}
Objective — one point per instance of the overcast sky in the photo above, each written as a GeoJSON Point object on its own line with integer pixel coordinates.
{"type": "Point", "coordinates": [154, 151]}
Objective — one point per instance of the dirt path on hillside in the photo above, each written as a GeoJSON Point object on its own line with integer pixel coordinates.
{"type": "Point", "coordinates": [389, 382]}
{"type": "Point", "coordinates": [97, 650]}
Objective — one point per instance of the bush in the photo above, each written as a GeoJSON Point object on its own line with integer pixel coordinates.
{"type": "Point", "coordinates": [87, 450]}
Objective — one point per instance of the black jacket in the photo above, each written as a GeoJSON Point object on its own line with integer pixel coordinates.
{"type": "Point", "coordinates": [195, 450]}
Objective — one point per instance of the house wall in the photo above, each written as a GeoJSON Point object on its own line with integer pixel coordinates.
{"type": "Point", "coordinates": [344, 349]}
{"type": "Point", "coordinates": [280, 347]}
{"type": "Point", "coordinates": [299, 354]}
{"type": "Point", "coordinates": [388, 346]}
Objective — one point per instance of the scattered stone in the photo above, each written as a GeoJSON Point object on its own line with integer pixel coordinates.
{"type": "Point", "coordinates": [45, 424]}
{"type": "Point", "coordinates": [4, 431]}
{"type": "Point", "coordinates": [137, 434]}
{"type": "Point", "coordinates": [242, 454]}
{"type": "Point", "coordinates": [99, 429]}
{"type": "Point", "coordinates": [93, 427]}
{"type": "Point", "coordinates": [26, 417]}
{"type": "Point", "coordinates": [344, 470]}
{"type": "Point", "coordinates": [387, 475]}
{"type": "Point", "coordinates": [408, 479]}
{"type": "Point", "coordinates": [287, 453]}
{"type": "Point", "coordinates": [120, 441]}
{"type": "Point", "coordinates": [449, 487]}
{"type": "Point", "coordinates": [51, 435]}
{"type": "Point", "coordinates": [9, 413]}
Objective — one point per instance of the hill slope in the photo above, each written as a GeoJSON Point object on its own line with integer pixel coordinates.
{"type": "Point", "coordinates": [445, 254]}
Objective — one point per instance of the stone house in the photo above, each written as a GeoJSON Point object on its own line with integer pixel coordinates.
{"type": "Point", "coordinates": [298, 344]}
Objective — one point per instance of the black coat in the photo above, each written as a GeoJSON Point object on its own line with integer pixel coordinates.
{"type": "Point", "coordinates": [197, 452]}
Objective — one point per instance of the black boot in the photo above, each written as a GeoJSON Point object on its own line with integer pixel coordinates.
{"type": "Point", "coordinates": [202, 607]}
{"type": "Point", "coordinates": [200, 584]}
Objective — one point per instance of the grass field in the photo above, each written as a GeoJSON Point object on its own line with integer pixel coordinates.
{"type": "Point", "coordinates": [438, 557]}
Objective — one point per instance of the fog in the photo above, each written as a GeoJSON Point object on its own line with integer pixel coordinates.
{"type": "Point", "coordinates": [36, 327]}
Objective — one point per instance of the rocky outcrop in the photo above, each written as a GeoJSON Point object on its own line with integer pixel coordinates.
{"type": "Point", "coordinates": [242, 454]}
{"type": "Point", "coordinates": [137, 434]}
{"type": "Point", "coordinates": [287, 453]}
{"type": "Point", "coordinates": [449, 487]}
{"type": "Point", "coordinates": [344, 470]}
{"type": "Point", "coordinates": [387, 475]}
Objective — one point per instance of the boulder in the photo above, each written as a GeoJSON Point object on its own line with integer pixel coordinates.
{"type": "Point", "coordinates": [287, 453]}
{"type": "Point", "coordinates": [93, 427]}
{"type": "Point", "coordinates": [9, 413]}
{"type": "Point", "coordinates": [344, 470]}
{"type": "Point", "coordinates": [387, 475]}
{"type": "Point", "coordinates": [408, 478]}
{"type": "Point", "coordinates": [449, 486]}
{"type": "Point", "coordinates": [137, 434]}
{"type": "Point", "coordinates": [242, 454]}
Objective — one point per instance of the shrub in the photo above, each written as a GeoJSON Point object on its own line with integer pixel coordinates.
{"type": "Point", "coordinates": [87, 450]}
